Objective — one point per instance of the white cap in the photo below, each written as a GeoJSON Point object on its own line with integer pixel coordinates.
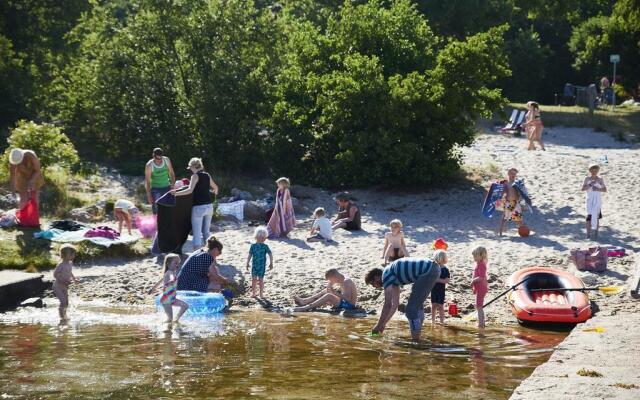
{"type": "Point", "coordinates": [16, 156]}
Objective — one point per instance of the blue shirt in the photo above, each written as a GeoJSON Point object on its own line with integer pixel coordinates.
{"type": "Point", "coordinates": [194, 274]}
{"type": "Point", "coordinates": [405, 271]}
{"type": "Point", "coordinates": [259, 254]}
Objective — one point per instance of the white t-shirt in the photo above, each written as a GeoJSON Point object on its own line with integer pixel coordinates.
{"type": "Point", "coordinates": [325, 227]}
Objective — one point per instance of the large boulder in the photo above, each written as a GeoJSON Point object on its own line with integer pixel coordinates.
{"type": "Point", "coordinates": [93, 213]}
{"type": "Point", "coordinates": [303, 192]}
{"type": "Point", "coordinates": [299, 208]}
{"type": "Point", "coordinates": [254, 211]}
{"type": "Point", "coordinates": [238, 194]}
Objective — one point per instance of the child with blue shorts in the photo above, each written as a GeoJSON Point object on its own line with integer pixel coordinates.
{"type": "Point", "coordinates": [258, 252]}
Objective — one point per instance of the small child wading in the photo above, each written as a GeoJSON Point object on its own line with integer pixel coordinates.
{"type": "Point", "coordinates": [321, 229]}
{"type": "Point", "coordinates": [438, 293]}
{"type": "Point", "coordinates": [63, 275]}
{"type": "Point", "coordinates": [258, 252]}
{"type": "Point", "coordinates": [169, 291]}
{"type": "Point", "coordinates": [479, 281]}
{"type": "Point", "coordinates": [394, 247]}
{"type": "Point", "coordinates": [594, 186]}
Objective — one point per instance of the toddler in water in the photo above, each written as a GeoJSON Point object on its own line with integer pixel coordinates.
{"type": "Point", "coordinates": [394, 247]}
{"type": "Point", "coordinates": [170, 282]}
{"type": "Point", "coordinates": [258, 252]}
{"type": "Point", "coordinates": [479, 281]}
{"type": "Point", "coordinates": [63, 275]}
{"type": "Point", "coordinates": [437, 294]}
{"type": "Point", "coordinates": [321, 229]}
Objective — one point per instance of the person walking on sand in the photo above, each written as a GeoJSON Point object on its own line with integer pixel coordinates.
{"type": "Point", "coordinates": [258, 252]}
{"type": "Point", "coordinates": [348, 214]}
{"type": "Point", "coordinates": [345, 298]}
{"type": "Point", "coordinates": [533, 125]}
{"type": "Point", "coordinates": [25, 175]}
{"type": "Point", "coordinates": [423, 273]}
{"type": "Point", "coordinates": [283, 219]}
{"type": "Point", "coordinates": [594, 186]}
{"type": "Point", "coordinates": [512, 209]}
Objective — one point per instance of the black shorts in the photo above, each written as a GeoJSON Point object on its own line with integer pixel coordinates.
{"type": "Point", "coordinates": [589, 216]}
{"type": "Point", "coordinates": [437, 298]}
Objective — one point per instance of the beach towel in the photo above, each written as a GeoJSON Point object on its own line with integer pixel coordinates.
{"type": "Point", "coordinates": [59, 236]}
{"type": "Point", "coordinates": [594, 205]}
{"type": "Point", "coordinates": [103, 232]}
{"type": "Point", "coordinates": [234, 209]}
{"type": "Point", "coordinates": [283, 218]}
{"type": "Point", "coordinates": [174, 223]}
{"type": "Point", "coordinates": [66, 225]}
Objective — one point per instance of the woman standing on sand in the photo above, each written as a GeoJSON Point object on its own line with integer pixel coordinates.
{"type": "Point", "coordinates": [533, 125]}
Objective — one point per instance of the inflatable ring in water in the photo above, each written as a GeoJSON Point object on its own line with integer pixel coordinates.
{"type": "Point", "coordinates": [199, 303]}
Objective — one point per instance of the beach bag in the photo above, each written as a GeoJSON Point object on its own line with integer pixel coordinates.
{"type": "Point", "coordinates": [593, 259]}
{"type": "Point", "coordinates": [102, 231]}
{"type": "Point", "coordinates": [29, 216]}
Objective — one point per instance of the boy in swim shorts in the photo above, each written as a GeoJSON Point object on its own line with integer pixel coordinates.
{"type": "Point", "coordinates": [343, 299]}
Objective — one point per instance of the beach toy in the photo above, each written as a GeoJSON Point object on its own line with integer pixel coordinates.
{"type": "Point", "coordinates": [440, 244]}
{"type": "Point", "coordinates": [616, 251]}
{"type": "Point", "coordinates": [147, 225]}
{"type": "Point", "coordinates": [523, 230]}
{"type": "Point", "coordinates": [453, 309]}
{"type": "Point", "coordinates": [200, 303]}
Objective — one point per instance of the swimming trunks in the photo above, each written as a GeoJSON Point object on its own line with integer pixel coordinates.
{"type": "Point", "coordinates": [512, 210]}
{"type": "Point", "coordinates": [345, 305]}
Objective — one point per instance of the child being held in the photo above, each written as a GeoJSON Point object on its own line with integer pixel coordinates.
{"type": "Point", "coordinates": [438, 293]}
{"type": "Point", "coordinates": [258, 252]}
{"type": "Point", "coordinates": [63, 275]}
{"type": "Point", "coordinates": [321, 229]}
{"type": "Point", "coordinates": [394, 247]}
{"type": "Point", "coordinates": [479, 281]}
{"type": "Point", "coordinates": [169, 289]}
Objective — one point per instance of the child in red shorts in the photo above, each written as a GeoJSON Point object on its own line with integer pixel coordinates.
{"type": "Point", "coordinates": [479, 281]}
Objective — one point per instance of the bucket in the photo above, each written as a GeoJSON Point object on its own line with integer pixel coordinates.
{"type": "Point", "coordinates": [453, 309]}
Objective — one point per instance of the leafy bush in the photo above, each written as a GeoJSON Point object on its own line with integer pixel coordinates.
{"type": "Point", "coordinates": [51, 145]}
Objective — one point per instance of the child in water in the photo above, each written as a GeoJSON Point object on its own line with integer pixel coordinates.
{"type": "Point", "coordinates": [63, 275]}
{"type": "Point", "coordinates": [258, 252]}
{"type": "Point", "coordinates": [437, 294]}
{"type": "Point", "coordinates": [394, 247]}
{"type": "Point", "coordinates": [170, 282]}
{"type": "Point", "coordinates": [479, 281]}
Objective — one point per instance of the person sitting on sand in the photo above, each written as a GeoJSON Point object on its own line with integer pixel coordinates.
{"type": "Point", "coordinates": [512, 210]}
{"type": "Point", "coordinates": [594, 186]}
{"type": "Point", "coordinates": [321, 229]}
{"type": "Point", "coordinates": [348, 214]}
{"type": "Point", "coordinates": [63, 275]}
{"type": "Point", "coordinates": [194, 274]}
{"type": "Point", "coordinates": [345, 298]}
{"type": "Point", "coordinates": [394, 247]}
{"type": "Point", "coordinates": [423, 273]}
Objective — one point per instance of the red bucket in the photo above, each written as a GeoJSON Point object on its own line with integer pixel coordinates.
{"type": "Point", "coordinates": [453, 310]}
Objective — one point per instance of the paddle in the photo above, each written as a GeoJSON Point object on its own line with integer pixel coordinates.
{"type": "Point", "coordinates": [603, 289]}
{"type": "Point", "coordinates": [474, 314]}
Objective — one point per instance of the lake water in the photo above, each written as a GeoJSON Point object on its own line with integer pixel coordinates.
{"type": "Point", "coordinates": [113, 353]}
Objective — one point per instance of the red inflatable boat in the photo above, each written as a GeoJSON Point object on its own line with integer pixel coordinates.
{"type": "Point", "coordinates": [540, 299]}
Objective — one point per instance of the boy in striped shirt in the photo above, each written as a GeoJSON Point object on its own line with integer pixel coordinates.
{"type": "Point", "coordinates": [422, 273]}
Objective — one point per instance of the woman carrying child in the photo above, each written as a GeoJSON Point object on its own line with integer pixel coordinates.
{"type": "Point", "coordinates": [170, 281]}
{"type": "Point", "coordinates": [283, 218]}
{"type": "Point", "coordinates": [394, 246]}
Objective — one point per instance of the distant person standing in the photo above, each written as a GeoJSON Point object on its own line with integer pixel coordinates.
{"type": "Point", "coordinates": [594, 186]}
{"type": "Point", "coordinates": [533, 125]}
{"type": "Point", "coordinates": [25, 175]}
{"type": "Point", "coordinates": [159, 177]}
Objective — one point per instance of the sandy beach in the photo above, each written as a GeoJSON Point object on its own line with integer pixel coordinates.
{"type": "Point", "coordinates": [553, 177]}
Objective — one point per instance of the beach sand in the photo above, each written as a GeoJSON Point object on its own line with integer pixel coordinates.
{"type": "Point", "coordinates": [553, 177]}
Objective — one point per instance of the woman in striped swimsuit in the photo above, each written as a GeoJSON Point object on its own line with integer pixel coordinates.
{"type": "Point", "coordinates": [170, 280]}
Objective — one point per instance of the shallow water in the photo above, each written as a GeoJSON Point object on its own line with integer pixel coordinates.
{"type": "Point", "coordinates": [106, 352]}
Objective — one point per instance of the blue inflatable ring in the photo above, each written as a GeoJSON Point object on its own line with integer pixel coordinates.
{"type": "Point", "coordinates": [199, 303]}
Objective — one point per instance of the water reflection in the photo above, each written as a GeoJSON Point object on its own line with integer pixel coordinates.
{"type": "Point", "coordinates": [106, 352]}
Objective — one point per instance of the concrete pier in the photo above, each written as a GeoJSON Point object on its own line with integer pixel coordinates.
{"type": "Point", "coordinates": [17, 286]}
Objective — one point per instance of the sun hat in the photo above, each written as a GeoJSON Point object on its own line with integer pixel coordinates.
{"type": "Point", "coordinates": [16, 156]}
{"type": "Point", "coordinates": [440, 244]}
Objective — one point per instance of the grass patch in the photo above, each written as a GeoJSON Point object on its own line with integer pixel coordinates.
{"type": "Point", "coordinates": [590, 373]}
{"type": "Point", "coordinates": [19, 250]}
{"type": "Point", "coordinates": [623, 123]}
